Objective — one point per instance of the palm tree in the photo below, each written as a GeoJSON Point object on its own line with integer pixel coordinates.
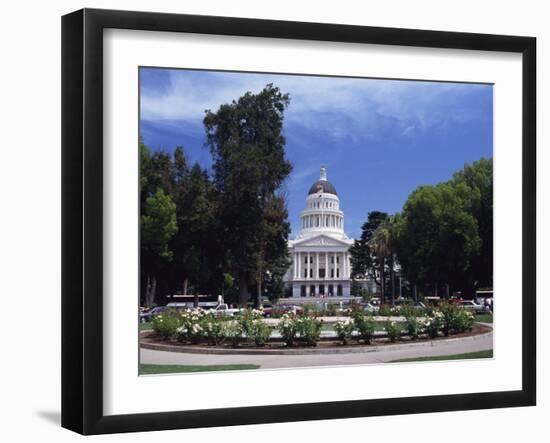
{"type": "Point", "coordinates": [380, 244]}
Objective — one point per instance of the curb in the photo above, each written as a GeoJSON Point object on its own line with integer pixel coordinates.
{"type": "Point", "coordinates": [308, 351]}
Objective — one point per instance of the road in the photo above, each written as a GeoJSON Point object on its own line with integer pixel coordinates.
{"type": "Point", "coordinates": [385, 354]}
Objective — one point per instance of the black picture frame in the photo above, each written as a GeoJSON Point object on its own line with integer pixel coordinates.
{"type": "Point", "coordinates": [82, 218]}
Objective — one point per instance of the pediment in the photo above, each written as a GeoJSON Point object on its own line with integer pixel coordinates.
{"type": "Point", "coordinates": [321, 240]}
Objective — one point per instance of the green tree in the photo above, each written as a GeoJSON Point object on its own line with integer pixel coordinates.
{"type": "Point", "coordinates": [438, 236]}
{"type": "Point", "coordinates": [247, 144]}
{"type": "Point", "coordinates": [478, 179]}
{"type": "Point", "coordinates": [158, 226]}
{"type": "Point", "coordinates": [272, 257]}
{"type": "Point", "coordinates": [197, 257]}
{"type": "Point", "coordinates": [364, 261]}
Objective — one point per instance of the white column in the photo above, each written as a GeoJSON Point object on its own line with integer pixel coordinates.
{"type": "Point", "coordinates": [326, 267]}
{"type": "Point", "coordinates": [299, 265]}
{"type": "Point", "coordinates": [345, 265]}
{"type": "Point", "coordinates": [308, 265]}
{"type": "Point", "coordinates": [335, 264]}
{"type": "Point", "coordinates": [317, 265]}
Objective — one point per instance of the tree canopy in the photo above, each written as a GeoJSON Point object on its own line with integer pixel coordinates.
{"type": "Point", "coordinates": [210, 233]}
{"type": "Point", "coordinates": [247, 145]}
{"type": "Point", "coordinates": [445, 231]}
{"type": "Point", "coordinates": [442, 236]}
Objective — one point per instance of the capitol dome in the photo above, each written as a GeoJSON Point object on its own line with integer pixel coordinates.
{"type": "Point", "coordinates": [322, 186]}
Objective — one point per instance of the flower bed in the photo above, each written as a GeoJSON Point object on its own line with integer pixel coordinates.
{"type": "Point", "coordinates": [250, 329]}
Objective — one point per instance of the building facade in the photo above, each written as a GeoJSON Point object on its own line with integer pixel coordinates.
{"type": "Point", "coordinates": [320, 253]}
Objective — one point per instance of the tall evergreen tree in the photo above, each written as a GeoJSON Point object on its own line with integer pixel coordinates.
{"type": "Point", "coordinates": [247, 144]}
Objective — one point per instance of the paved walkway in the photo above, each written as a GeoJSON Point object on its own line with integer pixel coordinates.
{"type": "Point", "coordinates": [386, 354]}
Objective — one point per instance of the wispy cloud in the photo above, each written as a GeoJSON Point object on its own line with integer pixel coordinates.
{"type": "Point", "coordinates": [338, 107]}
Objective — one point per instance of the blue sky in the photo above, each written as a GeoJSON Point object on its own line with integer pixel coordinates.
{"type": "Point", "coordinates": [379, 139]}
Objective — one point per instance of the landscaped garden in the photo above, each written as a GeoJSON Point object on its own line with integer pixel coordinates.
{"type": "Point", "coordinates": [351, 327]}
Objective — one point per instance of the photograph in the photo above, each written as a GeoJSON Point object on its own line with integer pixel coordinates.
{"type": "Point", "coordinates": [299, 221]}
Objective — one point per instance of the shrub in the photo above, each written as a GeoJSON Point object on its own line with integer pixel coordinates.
{"type": "Point", "coordinates": [432, 324]}
{"type": "Point", "coordinates": [450, 312]}
{"type": "Point", "coordinates": [412, 326]}
{"type": "Point", "coordinates": [190, 332]}
{"type": "Point", "coordinates": [213, 329]}
{"type": "Point", "coordinates": [232, 332]}
{"type": "Point", "coordinates": [190, 327]}
{"type": "Point", "coordinates": [365, 326]}
{"type": "Point", "coordinates": [309, 330]}
{"type": "Point", "coordinates": [344, 330]}
{"type": "Point", "coordinates": [166, 324]}
{"type": "Point", "coordinates": [247, 320]}
{"type": "Point", "coordinates": [393, 330]}
{"type": "Point", "coordinates": [385, 310]}
{"type": "Point", "coordinates": [288, 328]}
{"type": "Point", "coordinates": [408, 311]}
{"type": "Point", "coordinates": [259, 332]}
{"type": "Point", "coordinates": [463, 321]}
{"type": "Point", "coordinates": [309, 309]}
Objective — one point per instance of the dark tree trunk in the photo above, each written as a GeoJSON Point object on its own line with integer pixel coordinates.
{"type": "Point", "coordinates": [382, 280]}
{"type": "Point", "coordinates": [258, 301]}
{"type": "Point", "coordinates": [150, 290]}
{"type": "Point", "coordinates": [392, 282]}
{"type": "Point", "coordinates": [243, 290]}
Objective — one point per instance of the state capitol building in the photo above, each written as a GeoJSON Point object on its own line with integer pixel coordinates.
{"type": "Point", "coordinates": [320, 253]}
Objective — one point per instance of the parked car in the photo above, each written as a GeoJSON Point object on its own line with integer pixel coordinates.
{"type": "Point", "coordinates": [267, 309]}
{"type": "Point", "coordinates": [456, 300]}
{"type": "Point", "coordinates": [471, 306]}
{"type": "Point", "coordinates": [288, 309]}
{"type": "Point", "coordinates": [223, 310]}
{"type": "Point", "coordinates": [369, 307]}
{"type": "Point", "coordinates": [144, 317]}
{"type": "Point", "coordinates": [419, 305]}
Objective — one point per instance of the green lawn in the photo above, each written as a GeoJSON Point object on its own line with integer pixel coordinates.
{"type": "Point", "coordinates": [469, 355]}
{"type": "Point", "coordinates": [146, 369]}
{"type": "Point", "coordinates": [485, 318]}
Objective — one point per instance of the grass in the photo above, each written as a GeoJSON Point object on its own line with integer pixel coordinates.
{"type": "Point", "coordinates": [469, 355]}
{"type": "Point", "coordinates": [148, 369]}
{"type": "Point", "coordinates": [485, 318]}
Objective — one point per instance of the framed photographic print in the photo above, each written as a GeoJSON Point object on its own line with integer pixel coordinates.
{"type": "Point", "coordinates": [269, 221]}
